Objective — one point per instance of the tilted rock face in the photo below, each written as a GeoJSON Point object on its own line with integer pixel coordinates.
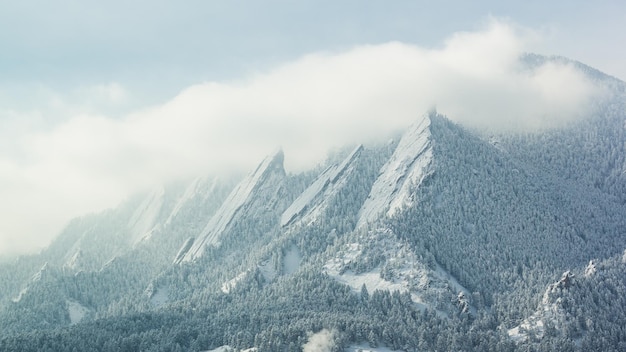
{"type": "Point", "coordinates": [267, 177]}
{"type": "Point", "coordinates": [401, 175]}
{"type": "Point", "coordinates": [314, 199]}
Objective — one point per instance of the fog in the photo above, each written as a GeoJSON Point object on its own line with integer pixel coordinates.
{"type": "Point", "coordinates": [91, 159]}
{"type": "Point", "coordinates": [322, 341]}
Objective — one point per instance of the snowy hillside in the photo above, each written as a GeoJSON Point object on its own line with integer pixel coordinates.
{"type": "Point", "coordinates": [379, 261]}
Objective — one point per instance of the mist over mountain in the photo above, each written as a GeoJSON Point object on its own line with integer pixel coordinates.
{"type": "Point", "coordinates": [86, 159]}
{"type": "Point", "coordinates": [449, 236]}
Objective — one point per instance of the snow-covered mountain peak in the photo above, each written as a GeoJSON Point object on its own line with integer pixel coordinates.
{"type": "Point", "coordinates": [271, 170]}
{"type": "Point", "coordinates": [401, 175]}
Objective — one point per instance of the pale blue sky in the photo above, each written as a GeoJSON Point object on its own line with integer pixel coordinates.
{"type": "Point", "coordinates": [156, 48]}
{"type": "Point", "coordinates": [101, 99]}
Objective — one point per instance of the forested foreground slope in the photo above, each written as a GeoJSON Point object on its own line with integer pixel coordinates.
{"type": "Point", "coordinates": [442, 239]}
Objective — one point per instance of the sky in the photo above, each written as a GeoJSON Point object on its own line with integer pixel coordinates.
{"type": "Point", "coordinates": [99, 100]}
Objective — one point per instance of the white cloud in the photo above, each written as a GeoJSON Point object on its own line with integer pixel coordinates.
{"type": "Point", "coordinates": [89, 160]}
{"type": "Point", "coordinates": [322, 341]}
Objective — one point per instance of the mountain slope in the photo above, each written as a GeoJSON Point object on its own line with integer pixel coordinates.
{"type": "Point", "coordinates": [501, 227]}
{"type": "Point", "coordinates": [315, 198]}
{"type": "Point", "coordinates": [401, 175]}
{"type": "Point", "coordinates": [269, 173]}
{"type": "Point", "coordinates": [444, 240]}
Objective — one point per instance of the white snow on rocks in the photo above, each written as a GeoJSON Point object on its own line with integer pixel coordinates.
{"type": "Point", "coordinates": [199, 186]}
{"type": "Point", "coordinates": [548, 312]}
{"type": "Point", "coordinates": [312, 200]}
{"type": "Point", "coordinates": [341, 269]}
{"type": "Point", "coordinates": [36, 277]}
{"type": "Point", "coordinates": [73, 262]}
{"type": "Point", "coordinates": [394, 188]}
{"type": "Point", "coordinates": [225, 348]}
{"type": "Point", "coordinates": [237, 198]}
{"type": "Point", "coordinates": [232, 283]}
{"type": "Point", "coordinates": [591, 269]}
{"type": "Point", "coordinates": [143, 221]}
{"type": "Point", "coordinates": [397, 269]}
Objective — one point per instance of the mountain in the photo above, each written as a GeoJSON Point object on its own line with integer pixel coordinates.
{"type": "Point", "coordinates": [260, 190]}
{"type": "Point", "coordinates": [401, 175]}
{"type": "Point", "coordinates": [442, 239]}
{"type": "Point", "coordinates": [315, 198]}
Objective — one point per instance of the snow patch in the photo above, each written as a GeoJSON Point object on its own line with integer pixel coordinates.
{"type": "Point", "coordinates": [20, 295]}
{"type": "Point", "coordinates": [225, 348]}
{"type": "Point", "coordinates": [532, 325]}
{"type": "Point", "coordinates": [230, 285]}
{"type": "Point", "coordinates": [382, 262]}
{"type": "Point", "coordinates": [406, 169]}
{"type": "Point", "coordinates": [339, 268]}
{"type": "Point", "coordinates": [371, 280]}
{"type": "Point", "coordinates": [591, 269]}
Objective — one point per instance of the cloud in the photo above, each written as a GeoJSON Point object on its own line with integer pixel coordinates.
{"type": "Point", "coordinates": [322, 341]}
{"type": "Point", "coordinates": [89, 160]}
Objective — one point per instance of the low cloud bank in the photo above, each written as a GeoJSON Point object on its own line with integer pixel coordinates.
{"type": "Point", "coordinates": [310, 106]}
